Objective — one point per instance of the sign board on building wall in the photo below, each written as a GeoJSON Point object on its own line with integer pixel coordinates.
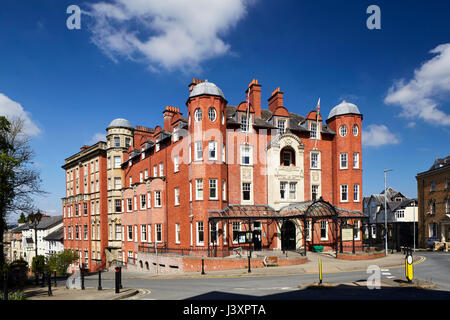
{"type": "Point", "coordinates": [347, 234]}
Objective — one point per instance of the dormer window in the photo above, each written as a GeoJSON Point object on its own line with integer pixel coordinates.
{"type": "Point", "coordinates": [281, 125]}
{"type": "Point", "coordinates": [244, 123]}
{"type": "Point", "coordinates": [313, 132]}
{"type": "Point", "coordinates": [175, 134]}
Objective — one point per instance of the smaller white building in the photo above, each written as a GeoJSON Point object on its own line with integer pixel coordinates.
{"type": "Point", "coordinates": [54, 242]}
{"type": "Point", "coordinates": [47, 225]}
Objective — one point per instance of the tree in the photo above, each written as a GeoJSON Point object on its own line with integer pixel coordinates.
{"type": "Point", "coordinates": [22, 218]}
{"type": "Point", "coordinates": [19, 180]}
{"type": "Point", "coordinates": [61, 261]}
{"type": "Point", "coordinates": [39, 264]}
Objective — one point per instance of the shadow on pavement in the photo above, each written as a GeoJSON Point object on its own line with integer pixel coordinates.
{"type": "Point", "coordinates": [341, 292]}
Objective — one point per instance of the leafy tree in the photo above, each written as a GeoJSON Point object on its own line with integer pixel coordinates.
{"type": "Point", "coordinates": [39, 263]}
{"type": "Point", "coordinates": [22, 218]}
{"type": "Point", "coordinates": [19, 180]}
{"type": "Point", "coordinates": [61, 261]}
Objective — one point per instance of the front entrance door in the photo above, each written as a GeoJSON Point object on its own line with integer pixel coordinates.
{"type": "Point", "coordinates": [288, 240]}
{"type": "Point", "coordinates": [257, 240]}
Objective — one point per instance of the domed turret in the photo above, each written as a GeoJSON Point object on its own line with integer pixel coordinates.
{"type": "Point", "coordinates": [206, 88]}
{"type": "Point", "coordinates": [120, 122]}
{"type": "Point", "coordinates": [343, 108]}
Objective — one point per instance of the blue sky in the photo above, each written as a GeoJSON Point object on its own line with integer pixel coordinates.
{"type": "Point", "coordinates": [72, 83]}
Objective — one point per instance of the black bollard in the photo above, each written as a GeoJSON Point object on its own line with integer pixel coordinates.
{"type": "Point", "coordinates": [55, 279]}
{"type": "Point", "coordinates": [203, 266]}
{"type": "Point", "coordinates": [249, 269]}
{"type": "Point", "coordinates": [43, 280]}
{"type": "Point", "coordinates": [49, 284]}
{"type": "Point", "coordinates": [99, 280]}
{"type": "Point", "coordinates": [120, 278]}
{"type": "Point", "coordinates": [82, 278]}
{"type": "Point", "coordinates": [116, 274]}
{"type": "Point", "coordinates": [5, 286]}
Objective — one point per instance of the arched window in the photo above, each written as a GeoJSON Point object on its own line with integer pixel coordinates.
{"type": "Point", "coordinates": [287, 157]}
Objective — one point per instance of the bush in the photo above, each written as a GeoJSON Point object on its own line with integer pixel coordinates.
{"type": "Point", "coordinates": [39, 264]}
{"type": "Point", "coordinates": [15, 295]}
{"type": "Point", "coordinates": [59, 262]}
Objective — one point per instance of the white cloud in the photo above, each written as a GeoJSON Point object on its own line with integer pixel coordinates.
{"type": "Point", "coordinates": [165, 34]}
{"type": "Point", "coordinates": [419, 97]}
{"type": "Point", "coordinates": [12, 109]}
{"type": "Point", "coordinates": [411, 124]}
{"type": "Point", "coordinates": [97, 137]}
{"type": "Point", "coordinates": [378, 135]}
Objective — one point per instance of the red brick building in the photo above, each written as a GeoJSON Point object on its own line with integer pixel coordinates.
{"type": "Point", "coordinates": [195, 185]}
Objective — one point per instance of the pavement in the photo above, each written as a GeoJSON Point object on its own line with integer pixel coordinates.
{"type": "Point", "coordinates": [329, 265]}
{"type": "Point", "coordinates": [61, 293]}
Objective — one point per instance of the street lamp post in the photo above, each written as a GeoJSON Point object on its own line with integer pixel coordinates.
{"type": "Point", "coordinates": [385, 215]}
{"type": "Point", "coordinates": [35, 219]}
{"type": "Point", "coordinates": [414, 227]}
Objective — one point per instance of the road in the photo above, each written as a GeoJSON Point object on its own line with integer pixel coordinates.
{"type": "Point", "coordinates": [435, 268]}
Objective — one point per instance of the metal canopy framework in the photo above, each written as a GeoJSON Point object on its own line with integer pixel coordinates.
{"type": "Point", "coordinates": [306, 211]}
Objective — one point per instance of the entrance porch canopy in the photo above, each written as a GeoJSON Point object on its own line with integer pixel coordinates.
{"type": "Point", "coordinates": [319, 209]}
{"type": "Point", "coordinates": [306, 210]}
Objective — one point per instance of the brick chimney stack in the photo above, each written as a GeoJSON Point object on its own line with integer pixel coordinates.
{"type": "Point", "coordinates": [168, 114]}
{"type": "Point", "coordinates": [275, 100]}
{"type": "Point", "coordinates": [255, 97]}
{"type": "Point", "coordinates": [194, 82]}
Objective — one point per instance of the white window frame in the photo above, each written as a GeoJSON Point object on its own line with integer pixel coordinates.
{"type": "Point", "coordinates": [247, 151]}
{"type": "Point", "coordinates": [129, 228]}
{"type": "Point", "coordinates": [326, 230]}
{"type": "Point", "coordinates": [212, 147]}
{"type": "Point", "coordinates": [343, 156]}
{"type": "Point", "coordinates": [292, 190]}
{"type": "Point", "coordinates": [158, 226]}
{"type": "Point", "coordinates": [177, 233]}
{"type": "Point", "coordinates": [143, 233]}
{"type": "Point", "coordinates": [341, 193]}
{"type": "Point", "coordinates": [313, 131]}
{"type": "Point", "coordinates": [224, 190]}
{"type": "Point", "coordinates": [161, 169]}
{"type": "Point", "coordinates": [281, 128]}
{"type": "Point", "coordinates": [198, 115]}
{"type": "Point", "coordinates": [198, 151]}
{"type": "Point", "coordinates": [215, 188]}
{"type": "Point", "coordinates": [158, 200]}
{"type": "Point", "coordinates": [250, 191]}
{"type": "Point", "coordinates": [117, 162]}
{"type": "Point", "coordinates": [177, 196]}
{"type": "Point", "coordinates": [356, 192]}
{"type": "Point", "coordinates": [198, 184]}
{"type": "Point", "coordinates": [283, 187]}
{"type": "Point", "coordinates": [198, 224]}
{"type": "Point", "coordinates": [317, 166]}
{"type": "Point", "coordinates": [343, 130]}
{"type": "Point", "coordinates": [143, 203]}
{"type": "Point", "coordinates": [176, 167]}
{"type": "Point", "coordinates": [355, 160]}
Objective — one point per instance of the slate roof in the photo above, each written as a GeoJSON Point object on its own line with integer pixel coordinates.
{"type": "Point", "coordinates": [438, 163]}
{"type": "Point", "coordinates": [297, 123]}
{"type": "Point", "coordinates": [57, 235]}
{"type": "Point", "coordinates": [45, 223]}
